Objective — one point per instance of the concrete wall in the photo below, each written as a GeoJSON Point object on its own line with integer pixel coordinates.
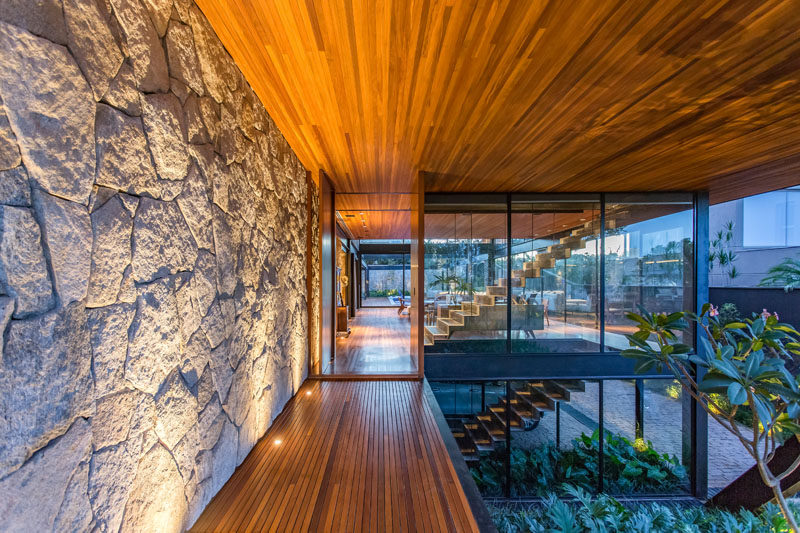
{"type": "Point", "coordinates": [153, 249]}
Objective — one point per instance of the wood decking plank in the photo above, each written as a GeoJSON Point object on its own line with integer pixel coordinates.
{"type": "Point", "coordinates": [355, 456]}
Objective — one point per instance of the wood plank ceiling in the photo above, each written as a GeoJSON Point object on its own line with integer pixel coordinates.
{"type": "Point", "coordinates": [528, 95]}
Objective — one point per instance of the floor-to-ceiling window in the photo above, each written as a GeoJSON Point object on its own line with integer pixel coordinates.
{"type": "Point", "coordinates": [384, 279]}
{"type": "Point", "coordinates": [577, 264]}
{"type": "Point", "coordinates": [466, 285]}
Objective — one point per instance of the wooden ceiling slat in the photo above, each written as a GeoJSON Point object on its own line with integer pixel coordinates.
{"type": "Point", "coordinates": [528, 96]}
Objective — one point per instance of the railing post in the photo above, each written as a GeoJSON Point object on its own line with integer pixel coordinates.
{"type": "Point", "coordinates": [639, 400]}
{"type": "Point", "coordinates": [507, 488]}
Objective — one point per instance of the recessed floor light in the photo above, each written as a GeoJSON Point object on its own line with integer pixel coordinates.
{"type": "Point", "coordinates": [277, 442]}
{"type": "Point", "coordinates": [308, 393]}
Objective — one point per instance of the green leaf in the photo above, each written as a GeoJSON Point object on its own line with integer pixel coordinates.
{"type": "Point", "coordinates": [736, 393]}
{"type": "Point", "coordinates": [735, 325]}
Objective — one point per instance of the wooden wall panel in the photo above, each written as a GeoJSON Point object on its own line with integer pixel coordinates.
{"type": "Point", "coordinates": [528, 96]}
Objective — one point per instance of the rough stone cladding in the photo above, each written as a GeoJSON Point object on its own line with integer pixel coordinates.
{"type": "Point", "coordinates": [153, 248]}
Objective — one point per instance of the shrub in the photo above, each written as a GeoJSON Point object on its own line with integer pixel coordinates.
{"type": "Point", "coordinates": [628, 468]}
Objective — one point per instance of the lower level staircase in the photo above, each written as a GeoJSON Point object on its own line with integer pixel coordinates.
{"type": "Point", "coordinates": [530, 400]}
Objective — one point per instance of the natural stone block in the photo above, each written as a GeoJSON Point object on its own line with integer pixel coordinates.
{"type": "Point", "coordinates": [183, 63]}
{"type": "Point", "coordinates": [14, 187]}
{"type": "Point", "coordinates": [111, 423]}
{"type": "Point", "coordinates": [184, 453]}
{"type": "Point", "coordinates": [176, 410]}
{"type": "Point", "coordinates": [144, 46]}
{"type": "Point", "coordinates": [189, 314]}
{"type": "Point", "coordinates": [6, 310]}
{"type": "Point", "coordinates": [196, 355]}
{"type": "Point", "coordinates": [215, 63]}
{"type": "Point", "coordinates": [221, 370]}
{"type": "Point", "coordinates": [44, 18]}
{"type": "Point", "coordinates": [162, 241]}
{"type": "Point", "coordinates": [9, 151]}
{"type": "Point", "coordinates": [196, 130]}
{"type": "Point", "coordinates": [224, 453]}
{"type": "Point", "coordinates": [179, 89]}
{"type": "Point", "coordinates": [112, 227]}
{"type": "Point", "coordinates": [123, 158]}
{"type": "Point", "coordinates": [55, 345]}
{"type": "Point", "coordinates": [122, 92]}
{"type": "Point", "coordinates": [23, 270]}
{"type": "Point", "coordinates": [51, 110]}
{"type": "Point", "coordinates": [160, 11]}
{"type": "Point", "coordinates": [219, 322]}
{"type": "Point", "coordinates": [108, 328]}
{"type": "Point", "coordinates": [216, 173]}
{"type": "Point", "coordinates": [196, 208]}
{"type": "Point", "coordinates": [154, 346]}
{"type": "Point", "coordinates": [49, 486]}
{"type": "Point", "coordinates": [75, 513]}
{"type": "Point", "coordinates": [239, 398]}
{"type": "Point", "coordinates": [157, 495]}
{"type": "Point", "coordinates": [92, 44]}
{"type": "Point", "coordinates": [204, 281]}
{"type": "Point", "coordinates": [67, 233]}
{"type": "Point", "coordinates": [111, 477]}
{"type": "Point", "coordinates": [225, 245]}
{"type": "Point", "coordinates": [210, 423]}
{"type": "Point", "coordinates": [163, 124]}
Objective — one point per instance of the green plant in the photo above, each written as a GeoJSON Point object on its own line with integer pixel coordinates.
{"type": "Point", "coordinates": [786, 274]}
{"type": "Point", "coordinates": [746, 362]}
{"type": "Point", "coordinates": [443, 280]}
{"type": "Point", "coordinates": [628, 468]}
{"type": "Point", "coordinates": [728, 313]}
{"type": "Point", "coordinates": [603, 513]}
{"type": "Point", "coordinates": [721, 254]}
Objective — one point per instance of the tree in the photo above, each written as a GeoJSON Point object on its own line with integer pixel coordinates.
{"type": "Point", "coordinates": [745, 361]}
{"type": "Point", "coordinates": [786, 273]}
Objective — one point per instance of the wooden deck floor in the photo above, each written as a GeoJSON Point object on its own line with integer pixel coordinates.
{"type": "Point", "coordinates": [379, 343]}
{"type": "Point", "coordinates": [346, 456]}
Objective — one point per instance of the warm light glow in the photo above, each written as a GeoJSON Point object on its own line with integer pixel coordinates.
{"type": "Point", "coordinates": [277, 442]}
{"type": "Point", "coordinates": [308, 393]}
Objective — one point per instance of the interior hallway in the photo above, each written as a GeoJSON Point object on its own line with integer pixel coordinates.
{"type": "Point", "coordinates": [346, 456]}
{"type": "Point", "coordinates": [378, 344]}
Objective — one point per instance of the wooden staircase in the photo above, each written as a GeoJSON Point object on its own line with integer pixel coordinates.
{"type": "Point", "coordinates": [529, 402]}
{"type": "Point", "coordinates": [455, 317]}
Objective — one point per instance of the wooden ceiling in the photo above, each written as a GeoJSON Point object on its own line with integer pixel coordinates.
{"type": "Point", "coordinates": [529, 95]}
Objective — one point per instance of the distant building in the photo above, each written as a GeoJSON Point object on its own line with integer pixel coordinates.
{"type": "Point", "coordinates": [766, 229]}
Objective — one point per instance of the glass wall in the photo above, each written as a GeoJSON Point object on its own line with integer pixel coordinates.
{"type": "Point", "coordinates": [466, 294]}
{"type": "Point", "coordinates": [384, 279]}
{"type": "Point", "coordinates": [555, 276]}
{"type": "Point", "coordinates": [649, 259]}
{"type": "Point", "coordinates": [622, 437]}
{"type": "Point", "coordinates": [576, 265]}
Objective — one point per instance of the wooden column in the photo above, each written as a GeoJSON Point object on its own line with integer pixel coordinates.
{"type": "Point", "coordinates": [417, 311]}
{"type": "Point", "coordinates": [313, 293]}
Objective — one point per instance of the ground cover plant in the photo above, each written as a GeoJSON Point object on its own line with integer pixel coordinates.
{"type": "Point", "coordinates": [629, 468]}
{"type": "Point", "coordinates": [580, 512]}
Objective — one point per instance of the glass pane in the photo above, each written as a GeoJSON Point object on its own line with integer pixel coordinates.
{"type": "Point", "coordinates": [465, 279]}
{"type": "Point", "coordinates": [382, 281]}
{"type": "Point", "coordinates": [764, 219]}
{"type": "Point", "coordinates": [555, 274]}
{"type": "Point", "coordinates": [793, 217]}
{"type": "Point", "coordinates": [643, 450]}
{"type": "Point", "coordinates": [649, 260]}
{"type": "Point", "coordinates": [554, 438]}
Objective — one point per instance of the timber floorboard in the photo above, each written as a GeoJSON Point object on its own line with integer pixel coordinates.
{"type": "Point", "coordinates": [346, 456]}
{"type": "Point", "coordinates": [379, 343]}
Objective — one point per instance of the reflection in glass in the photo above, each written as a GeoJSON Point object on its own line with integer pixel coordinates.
{"type": "Point", "coordinates": [384, 279]}
{"type": "Point", "coordinates": [555, 274]}
{"type": "Point", "coordinates": [465, 292]}
{"type": "Point", "coordinates": [648, 259]}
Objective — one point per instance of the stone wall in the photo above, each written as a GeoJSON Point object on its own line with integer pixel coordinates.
{"type": "Point", "coordinates": [152, 265]}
